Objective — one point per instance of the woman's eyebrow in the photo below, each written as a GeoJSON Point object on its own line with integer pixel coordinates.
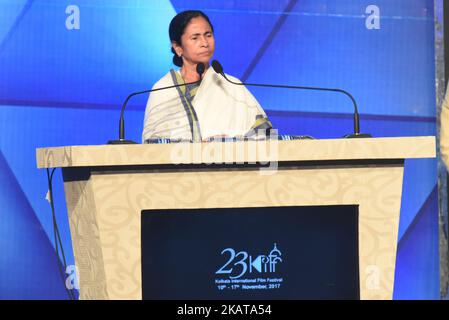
{"type": "Point", "coordinates": [198, 33]}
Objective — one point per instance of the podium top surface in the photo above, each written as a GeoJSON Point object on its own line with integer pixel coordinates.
{"type": "Point", "coordinates": [237, 152]}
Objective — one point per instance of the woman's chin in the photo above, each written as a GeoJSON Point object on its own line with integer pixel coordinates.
{"type": "Point", "coordinates": [204, 59]}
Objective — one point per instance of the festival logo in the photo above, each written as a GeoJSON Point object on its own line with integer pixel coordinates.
{"type": "Point", "coordinates": [243, 271]}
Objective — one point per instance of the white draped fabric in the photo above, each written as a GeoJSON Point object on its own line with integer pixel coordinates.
{"type": "Point", "coordinates": [218, 108]}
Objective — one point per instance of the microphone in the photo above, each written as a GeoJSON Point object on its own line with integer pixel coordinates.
{"type": "Point", "coordinates": [200, 68]}
{"type": "Point", "coordinates": [218, 68]}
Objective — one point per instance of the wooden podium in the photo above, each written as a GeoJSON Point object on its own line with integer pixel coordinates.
{"type": "Point", "coordinates": [108, 186]}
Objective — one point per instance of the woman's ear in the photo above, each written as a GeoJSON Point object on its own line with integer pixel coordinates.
{"type": "Point", "coordinates": [177, 48]}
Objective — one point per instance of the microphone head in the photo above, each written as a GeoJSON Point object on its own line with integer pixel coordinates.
{"type": "Point", "coordinates": [200, 68]}
{"type": "Point", "coordinates": [218, 68]}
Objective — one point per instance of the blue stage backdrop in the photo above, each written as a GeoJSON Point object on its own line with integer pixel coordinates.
{"type": "Point", "coordinates": [67, 65]}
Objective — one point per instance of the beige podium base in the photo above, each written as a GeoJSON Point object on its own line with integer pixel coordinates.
{"type": "Point", "coordinates": [107, 187]}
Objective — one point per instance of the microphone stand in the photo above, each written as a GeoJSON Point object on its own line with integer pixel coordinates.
{"type": "Point", "coordinates": [219, 69]}
{"type": "Point", "coordinates": [121, 138]}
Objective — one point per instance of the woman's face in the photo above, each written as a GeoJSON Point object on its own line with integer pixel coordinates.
{"type": "Point", "coordinates": [197, 42]}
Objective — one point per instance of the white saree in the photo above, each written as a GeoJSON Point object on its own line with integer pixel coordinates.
{"type": "Point", "coordinates": [218, 108]}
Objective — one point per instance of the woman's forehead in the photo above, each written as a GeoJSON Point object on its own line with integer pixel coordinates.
{"type": "Point", "coordinates": [197, 25]}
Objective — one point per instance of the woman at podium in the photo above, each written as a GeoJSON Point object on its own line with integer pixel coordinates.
{"type": "Point", "coordinates": [210, 108]}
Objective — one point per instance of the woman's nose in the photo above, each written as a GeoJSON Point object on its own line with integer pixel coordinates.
{"type": "Point", "coordinates": [204, 42]}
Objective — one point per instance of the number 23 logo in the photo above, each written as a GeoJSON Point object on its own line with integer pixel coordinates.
{"type": "Point", "coordinates": [233, 256]}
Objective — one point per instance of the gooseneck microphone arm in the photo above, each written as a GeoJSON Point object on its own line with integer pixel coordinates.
{"type": "Point", "coordinates": [219, 69]}
{"type": "Point", "coordinates": [121, 139]}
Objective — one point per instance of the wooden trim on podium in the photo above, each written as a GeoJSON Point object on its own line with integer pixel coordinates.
{"type": "Point", "coordinates": [296, 150]}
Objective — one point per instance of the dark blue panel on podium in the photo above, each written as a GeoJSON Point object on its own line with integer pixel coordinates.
{"type": "Point", "coordinates": [251, 253]}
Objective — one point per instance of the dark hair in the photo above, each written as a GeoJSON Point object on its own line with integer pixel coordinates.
{"type": "Point", "coordinates": [177, 26]}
